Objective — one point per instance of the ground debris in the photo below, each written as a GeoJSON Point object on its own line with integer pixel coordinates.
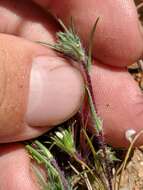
{"type": "Point", "coordinates": [136, 70]}
{"type": "Point", "coordinates": [133, 175]}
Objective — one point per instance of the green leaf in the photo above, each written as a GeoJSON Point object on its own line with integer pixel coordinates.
{"type": "Point", "coordinates": [91, 40]}
{"type": "Point", "coordinates": [64, 140]}
{"type": "Point", "coordinates": [42, 156]}
{"type": "Point", "coordinates": [63, 26]}
{"type": "Point", "coordinates": [68, 43]}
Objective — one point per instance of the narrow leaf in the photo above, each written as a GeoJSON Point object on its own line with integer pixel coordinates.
{"type": "Point", "coordinates": [89, 61]}
{"type": "Point", "coordinates": [63, 25]}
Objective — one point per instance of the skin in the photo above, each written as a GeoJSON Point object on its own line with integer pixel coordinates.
{"type": "Point", "coordinates": [118, 43]}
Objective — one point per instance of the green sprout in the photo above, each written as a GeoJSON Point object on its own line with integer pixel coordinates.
{"type": "Point", "coordinates": [68, 43]}
{"type": "Point", "coordinates": [64, 140]}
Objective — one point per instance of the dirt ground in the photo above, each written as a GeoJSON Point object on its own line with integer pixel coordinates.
{"type": "Point", "coordinates": [133, 175]}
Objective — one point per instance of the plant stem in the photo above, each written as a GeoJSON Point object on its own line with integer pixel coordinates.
{"type": "Point", "coordinates": [49, 162]}
{"type": "Point", "coordinates": [88, 184]}
{"type": "Point", "coordinates": [99, 131]}
{"type": "Point", "coordinates": [69, 44]}
{"type": "Point", "coordinates": [89, 83]}
{"type": "Point", "coordinates": [82, 163]}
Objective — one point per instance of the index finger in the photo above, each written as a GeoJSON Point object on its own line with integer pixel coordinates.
{"type": "Point", "coordinates": [118, 40]}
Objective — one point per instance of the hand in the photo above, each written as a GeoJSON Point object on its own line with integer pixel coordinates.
{"type": "Point", "coordinates": [32, 77]}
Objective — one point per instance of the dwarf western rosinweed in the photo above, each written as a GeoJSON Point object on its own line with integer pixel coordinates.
{"type": "Point", "coordinates": [68, 43]}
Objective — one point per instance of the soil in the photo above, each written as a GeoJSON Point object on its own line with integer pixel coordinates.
{"type": "Point", "coordinates": [133, 175]}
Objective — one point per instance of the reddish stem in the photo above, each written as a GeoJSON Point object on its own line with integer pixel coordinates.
{"type": "Point", "coordinates": [100, 136]}
{"type": "Point", "coordinates": [89, 83]}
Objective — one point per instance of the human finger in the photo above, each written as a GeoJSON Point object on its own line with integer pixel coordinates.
{"type": "Point", "coordinates": [16, 167]}
{"type": "Point", "coordinates": [119, 103]}
{"type": "Point", "coordinates": [38, 89]}
{"type": "Point", "coordinates": [118, 39]}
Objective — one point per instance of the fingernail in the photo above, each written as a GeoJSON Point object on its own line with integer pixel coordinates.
{"type": "Point", "coordinates": [55, 91]}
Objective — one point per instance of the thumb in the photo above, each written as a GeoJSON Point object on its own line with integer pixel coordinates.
{"type": "Point", "coordinates": [38, 89]}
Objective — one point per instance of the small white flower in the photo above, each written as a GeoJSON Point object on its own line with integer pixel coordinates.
{"type": "Point", "coordinates": [59, 134]}
{"type": "Point", "coordinates": [129, 134]}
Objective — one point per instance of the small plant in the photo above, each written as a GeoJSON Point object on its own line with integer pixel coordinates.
{"type": "Point", "coordinates": [90, 160]}
{"type": "Point", "coordinates": [98, 171]}
{"type": "Point", "coordinates": [64, 140]}
{"type": "Point", "coordinates": [56, 179]}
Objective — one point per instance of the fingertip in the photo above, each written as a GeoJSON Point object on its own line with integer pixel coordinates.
{"type": "Point", "coordinates": [54, 93]}
{"type": "Point", "coordinates": [16, 166]}
{"type": "Point", "coordinates": [118, 40]}
{"type": "Point", "coordinates": [119, 103]}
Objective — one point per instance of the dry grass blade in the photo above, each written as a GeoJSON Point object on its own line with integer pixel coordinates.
{"type": "Point", "coordinates": [122, 167]}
